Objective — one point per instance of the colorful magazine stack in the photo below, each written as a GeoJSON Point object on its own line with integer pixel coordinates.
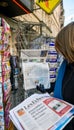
{"type": "Point", "coordinates": [5, 69]}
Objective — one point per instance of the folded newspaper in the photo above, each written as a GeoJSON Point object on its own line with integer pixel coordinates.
{"type": "Point", "coordinates": [41, 112]}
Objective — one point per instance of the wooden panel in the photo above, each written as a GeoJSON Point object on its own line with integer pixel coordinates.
{"type": "Point", "coordinates": [11, 126]}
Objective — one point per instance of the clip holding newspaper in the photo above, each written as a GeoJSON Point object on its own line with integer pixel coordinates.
{"type": "Point", "coordinates": [41, 112]}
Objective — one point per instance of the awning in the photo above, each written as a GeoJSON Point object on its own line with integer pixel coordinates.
{"type": "Point", "coordinates": [12, 8]}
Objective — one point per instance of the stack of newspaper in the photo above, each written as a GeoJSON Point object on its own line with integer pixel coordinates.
{"type": "Point", "coordinates": [41, 112]}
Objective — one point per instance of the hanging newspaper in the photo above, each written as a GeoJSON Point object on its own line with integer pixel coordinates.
{"type": "Point", "coordinates": [34, 68]}
{"type": "Point", "coordinates": [41, 112]}
{"type": "Point", "coordinates": [35, 74]}
{"type": "Point", "coordinates": [31, 55]}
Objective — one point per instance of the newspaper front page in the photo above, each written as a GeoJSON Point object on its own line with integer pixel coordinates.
{"type": "Point", "coordinates": [41, 112]}
{"type": "Point", "coordinates": [35, 74]}
{"type": "Point", "coordinates": [34, 68]}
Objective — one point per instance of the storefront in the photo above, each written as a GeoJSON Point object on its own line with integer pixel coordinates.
{"type": "Point", "coordinates": [12, 90]}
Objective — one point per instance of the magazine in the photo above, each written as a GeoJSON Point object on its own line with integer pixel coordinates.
{"type": "Point", "coordinates": [41, 112]}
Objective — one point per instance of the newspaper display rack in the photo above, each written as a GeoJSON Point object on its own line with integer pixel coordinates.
{"type": "Point", "coordinates": [35, 69]}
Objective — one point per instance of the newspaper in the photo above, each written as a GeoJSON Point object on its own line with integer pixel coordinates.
{"type": "Point", "coordinates": [41, 112]}
{"type": "Point", "coordinates": [35, 74]}
{"type": "Point", "coordinates": [34, 68]}
{"type": "Point", "coordinates": [33, 53]}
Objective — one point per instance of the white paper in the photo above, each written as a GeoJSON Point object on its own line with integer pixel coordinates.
{"type": "Point", "coordinates": [33, 53]}
{"type": "Point", "coordinates": [40, 112]}
{"type": "Point", "coordinates": [35, 74]}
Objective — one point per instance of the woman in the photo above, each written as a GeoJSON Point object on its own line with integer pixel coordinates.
{"type": "Point", "coordinates": [64, 44]}
{"type": "Point", "coordinates": [64, 86]}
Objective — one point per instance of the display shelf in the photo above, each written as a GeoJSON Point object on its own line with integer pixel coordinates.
{"type": "Point", "coordinates": [5, 69]}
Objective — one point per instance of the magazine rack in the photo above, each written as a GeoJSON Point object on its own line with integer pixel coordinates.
{"type": "Point", "coordinates": [5, 69]}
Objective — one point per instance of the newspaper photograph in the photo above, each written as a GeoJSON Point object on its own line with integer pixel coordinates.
{"type": "Point", "coordinates": [41, 113]}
